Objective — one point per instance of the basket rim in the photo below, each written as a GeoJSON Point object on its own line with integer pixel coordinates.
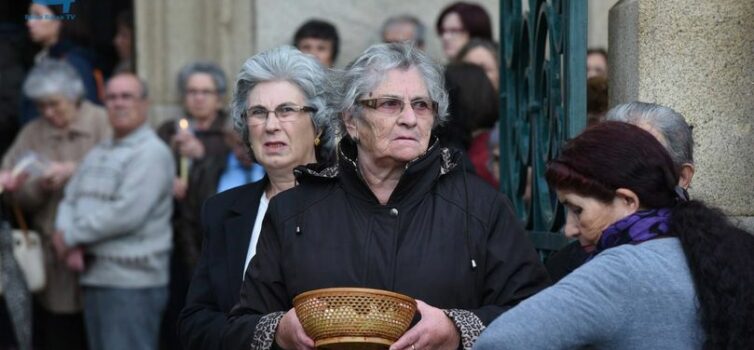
{"type": "Point", "coordinates": [336, 290]}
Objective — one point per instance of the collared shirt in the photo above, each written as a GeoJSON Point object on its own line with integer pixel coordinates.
{"type": "Point", "coordinates": [235, 174]}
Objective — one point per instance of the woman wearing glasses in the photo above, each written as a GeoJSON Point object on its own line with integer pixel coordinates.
{"type": "Point", "coordinates": [460, 22]}
{"type": "Point", "coordinates": [280, 109]}
{"type": "Point", "coordinates": [397, 212]}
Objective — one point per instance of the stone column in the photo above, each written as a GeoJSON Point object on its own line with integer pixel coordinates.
{"type": "Point", "coordinates": [697, 57]}
{"type": "Point", "coordinates": [171, 33]}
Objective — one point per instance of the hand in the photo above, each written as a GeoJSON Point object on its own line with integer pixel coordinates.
{"type": "Point", "coordinates": [58, 243]}
{"type": "Point", "coordinates": [179, 188]}
{"type": "Point", "coordinates": [75, 259]}
{"type": "Point", "coordinates": [290, 334]}
{"type": "Point", "coordinates": [434, 331]}
{"type": "Point", "coordinates": [57, 175]}
{"type": "Point", "coordinates": [11, 183]}
{"type": "Point", "coordinates": [187, 144]}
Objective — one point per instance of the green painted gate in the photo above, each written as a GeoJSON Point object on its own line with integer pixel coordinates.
{"type": "Point", "coordinates": [542, 102]}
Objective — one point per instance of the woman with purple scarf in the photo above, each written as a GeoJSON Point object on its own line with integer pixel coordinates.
{"type": "Point", "coordinates": [663, 272]}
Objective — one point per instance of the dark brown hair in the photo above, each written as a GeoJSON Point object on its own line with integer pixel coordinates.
{"type": "Point", "coordinates": [613, 155]}
{"type": "Point", "coordinates": [474, 17]}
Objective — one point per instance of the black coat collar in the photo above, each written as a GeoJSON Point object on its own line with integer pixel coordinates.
{"type": "Point", "coordinates": [419, 177]}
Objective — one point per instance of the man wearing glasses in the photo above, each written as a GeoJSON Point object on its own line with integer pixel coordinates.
{"type": "Point", "coordinates": [116, 209]}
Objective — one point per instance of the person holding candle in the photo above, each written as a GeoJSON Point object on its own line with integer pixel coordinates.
{"type": "Point", "coordinates": [281, 110]}
{"type": "Point", "coordinates": [199, 132]}
{"type": "Point", "coordinates": [196, 138]}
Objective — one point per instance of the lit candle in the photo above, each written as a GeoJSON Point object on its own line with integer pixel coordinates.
{"type": "Point", "coordinates": [184, 162]}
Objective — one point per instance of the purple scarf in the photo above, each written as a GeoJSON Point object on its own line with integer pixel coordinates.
{"type": "Point", "coordinates": [636, 228]}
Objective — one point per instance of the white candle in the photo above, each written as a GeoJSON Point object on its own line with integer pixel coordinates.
{"type": "Point", "coordinates": [184, 162]}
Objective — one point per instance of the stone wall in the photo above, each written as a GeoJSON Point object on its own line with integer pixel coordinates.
{"type": "Point", "coordinates": [697, 57]}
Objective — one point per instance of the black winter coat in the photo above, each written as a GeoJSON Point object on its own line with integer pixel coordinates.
{"type": "Point", "coordinates": [444, 237]}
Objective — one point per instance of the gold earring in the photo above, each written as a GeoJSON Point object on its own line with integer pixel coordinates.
{"type": "Point", "coordinates": [316, 141]}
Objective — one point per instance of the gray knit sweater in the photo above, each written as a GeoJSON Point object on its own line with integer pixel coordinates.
{"type": "Point", "coordinates": [628, 297]}
{"type": "Point", "coordinates": [118, 207]}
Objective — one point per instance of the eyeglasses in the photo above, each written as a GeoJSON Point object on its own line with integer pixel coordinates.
{"type": "Point", "coordinates": [200, 92]}
{"type": "Point", "coordinates": [125, 96]}
{"type": "Point", "coordinates": [452, 31]}
{"type": "Point", "coordinates": [284, 113]}
{"type": "Point", "coordinates": [394, 106]}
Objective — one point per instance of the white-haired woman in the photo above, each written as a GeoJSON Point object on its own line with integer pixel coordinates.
{"type": "Point", "coordinates": [70, 126]}
{"type": "Point", "coordinates": [396, 213]}
{"type": "Point", "coordinates": [280, 108]}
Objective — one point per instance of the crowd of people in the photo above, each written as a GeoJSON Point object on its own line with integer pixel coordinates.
{"type": "Point", "coordinates": [199, 233]}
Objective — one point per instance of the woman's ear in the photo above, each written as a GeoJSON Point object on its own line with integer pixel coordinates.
{"type": "Point", "coordinates": [686, 174]}
{"type": "Point", "coordinates": [351, 128]}
{"type": "Point", "coordinates": [627, 199]}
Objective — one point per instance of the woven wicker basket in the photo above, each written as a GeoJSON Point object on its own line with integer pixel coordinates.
{"type": "Point", "coordinates": [354, 318]}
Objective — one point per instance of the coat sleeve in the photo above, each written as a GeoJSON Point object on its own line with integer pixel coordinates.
{"type": "Point", "coordinates": [264, 298]}
{"type": "Point", "coordinates": [587, 307]}
{"type": "Point", "coordinates": [64, 215]}
{"type": "Point", "coordinates": [201, 322]}
{"type": "Point", "coordinates": [512, 273]}
{"type": "Point", "coordinates": [30, 196]}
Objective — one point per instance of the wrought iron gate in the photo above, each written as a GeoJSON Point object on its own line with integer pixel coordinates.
{"type": "Point", "coordinates": [542, 102]}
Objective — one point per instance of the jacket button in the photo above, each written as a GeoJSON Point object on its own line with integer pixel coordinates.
{"type": "Point", "coordinates": [393, 212]}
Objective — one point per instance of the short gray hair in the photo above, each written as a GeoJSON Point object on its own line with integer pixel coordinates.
{"type": "Point", "coordinates": [54, 77]}
{"type": "Point", "coordinates": [678, 139]}
{"type": "Point", "coordinates": [214, 71]}
{"type": "Point", "coordinates": [419, 28]}
{"type": "Point", "coordinates": [365, 73]}
{"type": "Point", "coordinates": [286, 63]}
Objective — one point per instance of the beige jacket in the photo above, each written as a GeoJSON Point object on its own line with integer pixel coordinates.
{"type": "Point", "coordinates": [90, 126]}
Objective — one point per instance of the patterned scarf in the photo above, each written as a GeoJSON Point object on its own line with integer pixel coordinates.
{"type": "Point", "coordinates": [636, 228]}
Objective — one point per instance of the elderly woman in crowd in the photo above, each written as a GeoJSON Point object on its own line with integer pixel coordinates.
{"type": "Point", "coordinates": [202, 86]}
{"type": "Point", "coordinates": [666, 272]}
{"type": "Point", "coordinates": [199, 140]}
{"type": "Point", "coordinates": [70, 127]}
{"type": "Point", "coordinates": [396, 213]}
{"type": "Point", "coordinates": [280, 109]}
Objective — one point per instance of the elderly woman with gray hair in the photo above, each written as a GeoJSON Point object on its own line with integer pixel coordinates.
{"type": "Point", "coordinates": [70, 127]}
{"type": "Point", "coordinates": [280, 109]}
{"type": "Point", "coordinates": [395, 213]}
{"type": "Point", "coordinates": [202, 87]}
{"type": "Point", "coordinates": [197, 139]}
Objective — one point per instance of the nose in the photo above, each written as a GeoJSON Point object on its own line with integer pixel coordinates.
{"type": "Point", "coordinates": [570, 229]}
{"type": "Point", "coordinates": [272, 123]}
{"type": "Point", "coordinates": [408, 116]}
{"type": "Point", "coordinates": [48, 112]}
